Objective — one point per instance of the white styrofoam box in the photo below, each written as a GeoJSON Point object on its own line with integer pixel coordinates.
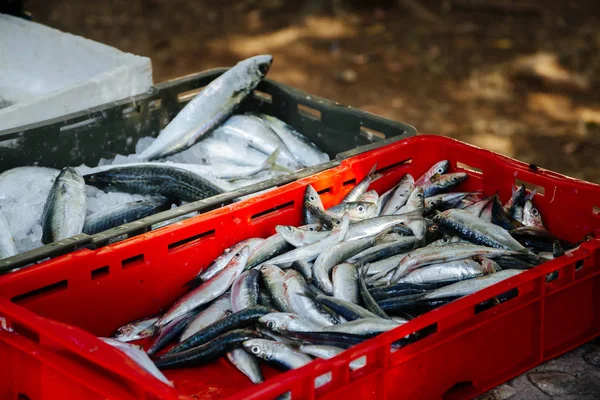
{"type": "Point", "coordinates": [46, 73]}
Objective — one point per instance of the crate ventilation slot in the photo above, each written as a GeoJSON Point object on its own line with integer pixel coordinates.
{"type": "Point", "coordinates": [100, 273]}
{"type": "Point", "coordinates": [188, 95]}
{"type": "Point", "coordinates": [467, 167]}
{"type": "Point", "coordinates": [371, 134]}
{"type": "Point", "coordinates": [349, 182]}
{"type": "Point", "coordinates": [289, 204]}
{"type": "Point", "coordinates": [127, 112]}
{"type": "Point", "coordinates": [133, 261]}
{"type": "Point", "coordinates": [41, 292]}
{"type": "Point", "coordinates": [181, 243]}
{"type": "Point", "coordinates": [155, 104]}
{"type": "Point", "coordinates": [394, 165]}
{"type": "Point", "coordinates": [263, 96]}
{"type": "Point", "coordinates": [414, 337]}
{"type": "Point", "coordinates": [496, 300]}
{"type": "Point", "coordinates": [540, 190]}
{"type": "Point", "coordinates": [309, 112]}
{"type": "Point", "coordinates": [323, 191]}
{"type": "Point", "coordinates": [81, 124]}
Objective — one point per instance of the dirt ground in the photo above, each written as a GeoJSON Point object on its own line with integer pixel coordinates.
{"type": "Point", "coordinates": [518, 78]}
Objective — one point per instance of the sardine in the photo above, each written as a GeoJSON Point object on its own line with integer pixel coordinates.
{"type": "Point", "coordinates": [299, 237]}
{"type": "Point", "coordinates": [278, 354]}
{"type": "Point", "coordinates": [296, 294]}
{"type": "Point", "coordinates": [364, 326]}
{"type": "Point", "coordinates": [440, 183]}
{"type": "Point", "coordinates": [273, 278]}
{"type": "Point", "coordinates": [244, 291]}
{"type": "Point", "coordinates": [311, 197]}
{"type": "Point", "coordinates": [131, 331]}
{"type": "Point", "coordinates": [221, 262]}
{"type": "Point", "coordinates": [400, 195]}
{"type": "Point", "coordinates": [282, 322]}
{"type": "Point", "coordinates": [247, 364]}
{"type": "Point", "coordinates": [209, 108]}
{"type": "Point", "coordinates": [438, 168]}
{"type": "Point", "coordinates": [216, 311]}
{"type": "Point", "coordinates": [531, 215]}
{"type": "Point", "coordinates": [357, 211]}
{"type": "Point", "coordinates": [65, 208]}
{"type": "Point", "coordinates": [362, 186]}
{"type": "Point", "coordinates": [345, 282]}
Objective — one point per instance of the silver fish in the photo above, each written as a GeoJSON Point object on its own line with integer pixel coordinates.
{"type": "Point", "coordinates": [415, 201]}
{"type": "Point", "coordinates": [311, 197]}
{"type": "Point", "coordinates": [370, 197]}
{"type": "Point", "coordinates": [440, 183]}
{"type": "Point", "coordinates": [478, 231]}
{"type": "Point", "coordinates": [209, 108]}
{"type": "Point", "coordinates": [220, 262]}
{"type": "Point", "coordinates": [345, 282]}
{"type": "Point", "coordinates": [218, 309]}
{"type": "Point", "coordinates": [399, 196]}
{"type": "Point", "coordinates": [269, 248]}
{"type": "Point", "coordinates": [247, 364]}
{"type": "Point", "coordinates": [209, 290]}
{"type": "Point", "coordinates": [312, 251]}
{"type": "Point", "coordinates": [333, 256]}
{"type": "Point", "coordinates": [131, 331]}
{"type": "Point", "coordinates": [65, 208]}
{"type": "Point", "coordinates": [452, 271]}
{"type": "Point", "coordinates": [301, 236]}
{"type": "Point", "coordinates": [244, 290]}
{"type": "Point", "coordinates": [467, 287]}
{"type": "Point", "coordinates": [357, 211]}
{"type": "Point", "coordinates": [531, 215]}
{"type": "Point", "coordinates": [273, 278]}
{"type": "Point", "coordinates": [362, 186]}
{"type": "Point", "coordinates": [281, 322]}
{"type": "Point", "coordinates": [254, 131]}
{"type": "Point", "coordinates": [364, 326]}
{"type": "Point", "coordinates": [138, 356]}
{"type": "Point", "coordinates": [326, 352]}
{"type": "Point", "coordinates": [8, 247]}
{"type": "Point", "coordinates": [277, 353]}
{"type": "Point", "coordinates": [438, 168]}
{"type": "Point", "coordinates": [296, 294]}
{"type": "Point", "coordinates": [231, 172]}
{"type": "Point", "coordinates": [305, 151]}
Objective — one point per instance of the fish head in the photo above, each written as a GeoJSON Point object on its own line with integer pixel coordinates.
{"type": "Point", "coordinates": [531, 215]}
{"type": "Point", "coordinates": [257, 66]}
{"type": "Point", "coordinates": [312, 197]}
{"type": "Point", "coordinates": [276, 321]}
{"type": "Point", "coordinates": [441, 167]}
{"type": "Point", "coordinates": [361, 210]}
{"type": "Point", "coordinates": [416, 199]}
{"type": "Point", "coordinates": [259, 348]}
{"type": "Point", "coordinates": [268, 270]}
{"type": "Point", "coordinates": [241, 257]}
{"type": "Point", "coordinates": [310, 227]}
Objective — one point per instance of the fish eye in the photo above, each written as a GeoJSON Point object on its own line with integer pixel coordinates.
{"type": "Point", "coordinates": [271, 325]}
{"type": "Point", "coordinates": [255, 349]}
{"type": "Point", "coordinates": [440, 170]}
{"type": "Point", "coordinates": [289, 228]}
{"type": "Point", "coordinates": [360, 209]}
{"type": "Point", "coordinates": [535, 212]}
{"type": "Point", "coordinates": [237, 255]}
{"type": "Point", "coordinates": [311, 198]}
{"type": "Point", "coordinates": [312, 229]}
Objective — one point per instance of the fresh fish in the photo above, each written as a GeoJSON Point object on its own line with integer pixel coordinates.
{"type": "Point", "coordinates": [451, 272]}
{"type": "Point", "coordinates": [164, 180]}
{"type": "Point", "coordinates": [209, 290]}
{"type": "Point", "coordinates": [303, 149]}
{"type": "Point", "coordinates": [210, 351]}
{"type": "Point", "coordinates": [370, 197]}
{"type": "Point", "coordinates": [247, 364]}
{"type": "Point", "coordinates": [434, 255]}
{"type": "Point", "coordinates": [374, 226]}
{"type": "Point", "coordinates": [514, 206]}
{"type": "Point", "coordinates": [216, 311]}
{"type": "Point", "coordinates": [445, 201]}
{"type": "Point", "coordinates": [440, 183]}
{"type": "Point", "coordinates": [223, 151]}
{"type": "Point", "coordinates": [327, 352]}
{"type": "Point", "coordinates": [449, 240]}
{"type": "Point", "coordinates": [269, 248]}
{"type": "Point", "coordinates": [228, 171]}
{"type": "Point", "coordinates": [531, 215]}
{"type": "Point", "coordinates": [400, 289]}
{"type": "Point", "coordinates": [357, 211]}
{"type": "Point", "coordinates": [312, 251]}
{"type": "Point", "coordinates": [241, 319]}
{"type": "Point", "coordinates": [171, 330]}
{"type": "Point", "coordinates": [278, 354]}
{"type": "Point", "coordinates": [222, 261]}
{"type": "Point", "coordinates": [254, 131]}
{"type": "Point", "coordinates": [244, 291]}
{"type": "Point", "coordinates": [501, 217]}
{"type": "Point", "coordinates": [299, 237]}
{"type": "Point", "coordinates": [384, 250]}
{"type": "Point", "coordinates": [65, 208]}
{"type": "Point", "coordinates": [8, 247]}
{"type": "Point", "coordinates": [467, 287]}
{"type": "Point", "coordinates": [283, 322]}
{"type": "Point", "coordinates": [477, 231]}
{"type": "Point", "coordinates": [438, 168]}
{"type": "Point", "coordinates": [415, 201]}
{"type": "Point", "coordinates": [138, 356]}
{"type": "Point", "coordinates": [209, 108]}
{"type": "Point", "coordinates": [311, 197]}
{"type": "Point", "coordinates": [362, 186]}
{"type": "Point", "coordinates": [131, 331]}
{"type": "Point", "coordinates": [477, 208]}
{"type": "Point", "coordinates": [304, 268]}
{"type": "Point", "coordinates": [368, 301]}
{"type": "Point", "coordinates": [338, 339]}
{"type": "Point", "coordinates": [321, 216]}
{"type": "Point", "coordinates": [364, 326]}
{"type": "Point", "coordinates": [273, 278]}
{"type": "Point", "coordinates": [538, 239]}
{"type": "Point", "coordinates": [296, 294]}
{"type": "Point", "coordinates": [345, 283]}
{"type": "Point", "coordinates": [400, 195]}
{"type": "Point", "coordinates": [333, 256]}
{"type": "Point", "coordinates": [123, 213]}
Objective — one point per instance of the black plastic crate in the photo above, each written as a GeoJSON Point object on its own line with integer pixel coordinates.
{"type": "Point", "coordinates": [115, 128]}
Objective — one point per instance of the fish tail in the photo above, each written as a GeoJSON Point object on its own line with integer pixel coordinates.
{"type": "Point", "coordinates": [271, 160]}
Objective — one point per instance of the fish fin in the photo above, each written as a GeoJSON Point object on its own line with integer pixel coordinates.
{"type": "Point", "coordinates": [271, 160]}
{"type": "Point", "coordinates": [434, 178]}
{"type": "Point", "coordinates": [280, 168]}
{"type": "Point", "coordinates": [557, 249]}
{"type": "Point", "coordinates": [529, 196]}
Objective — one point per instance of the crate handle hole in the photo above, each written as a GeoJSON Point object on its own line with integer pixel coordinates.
{"type": "Point", "coordinates": [578, 265]}
{"type": "Point", "coordinates": [323, 191]}
{"type": "Point", "coordinates": [41, 292]}
{"type": "Point", "coordinates": [26, 332]}
{"type": "Point", "coordinates": [467, 167]}
{"type": "Point", "coordinates": [371, 134]}
{"type": "Point", "coordinates": [129, 111]}
{"type": "Point", "coordinates": [187, 241]}
{"type": "Point", "coordinates": [540, 190]}
{"type": "Point", "coordinates": [349, 182]}
{"type": "Point", "coordinates": [458, 390]}
{"type": "Point", "coordinates": [100, 273]}
{"type": "Point", "coordinates": [552, 276]}
{"type": "Point", "coordinates": [133, 261]}
{"type": "Point", "coordinates": [414, 337]}
{"type": "Point", "coordinates": [358, 363]}
{"type": "Point", "coordinates": [23, 396]}
{"type": "Point", "coordinates": [289, 204]}
{"type": "Point", "coordinates": [188, 95]}
{"type": "Point", "coordinates": [309, 112]}
{"type": "Point", "coordinates": [263, 96]}
{"type": "Point", "coordinates": [402, 163]}
{"type": "Point", "coordinates": [495, 301]}
{"type": "Point", "coordinates": [323, 379]}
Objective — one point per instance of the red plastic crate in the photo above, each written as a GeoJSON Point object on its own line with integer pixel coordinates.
{"type": "Point", "coordinates": [466, 352]}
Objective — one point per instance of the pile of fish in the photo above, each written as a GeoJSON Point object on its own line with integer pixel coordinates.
{"type": "Point", "coordinates": [204, 151]}
{"type": "Point", "coordinates": [362, 267]}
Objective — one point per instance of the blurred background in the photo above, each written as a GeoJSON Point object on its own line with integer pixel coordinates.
{"type": "Point", "coordinates": [517, 77]}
